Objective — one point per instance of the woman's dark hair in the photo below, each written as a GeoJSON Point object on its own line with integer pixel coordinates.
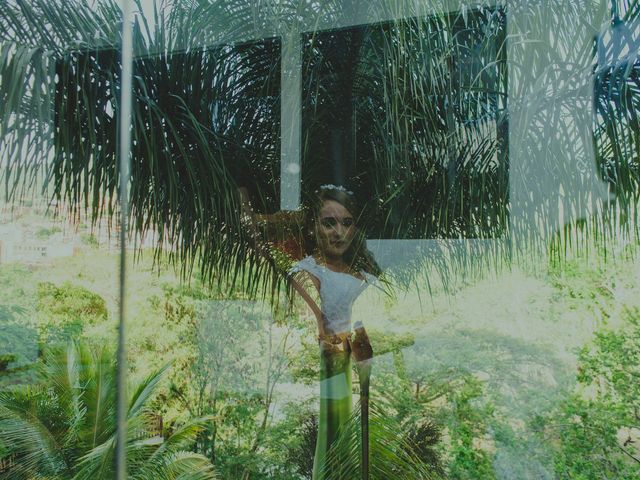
{"type": "Point", "coordinates": [357, 256]}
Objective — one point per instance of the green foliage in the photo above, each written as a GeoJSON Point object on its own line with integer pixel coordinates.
{"type": "Point", "coordinates": [301, 444]}
{"type": "Point", "coordinates": [425, 436]}
{"type": "Point", "coordinates": [595, 429]}
{"type": "Point", "coordinates": [71, 301]}
{"type": "Point", "coordinates": [385, 342]}
{"type": "Point", "coordinates": [392, 454]}
{"type": "Point", "coordinates": [89, 239]}
{"type": "Point", "coordinates": [416, 120]}
{"type": "Point", "coordinates": [305, 364]}
{"type": "Point", "coordinates": [64, 427]}
{"type": "Point", "coordinates": [18, 335]}
{"type": "Point", "coordinates": [43, 232]}
{"type": "Point", "coordinates": [18, 345]}
{"type": "Point", "coordinates": [470, 417]}
{"type": "Point", "coordinates": [227, 356]}
{"type": "Point", "coordinates": [426, 126]}
{"type": "Point", "coordinates": [182, 184]}
{"type": "Point", "coordinates": [16, 285]}
{"type": "Point", "coordinates": [415, 422]}
{"type": "Point", "coordinates": [589, 447]}
{"type": "Point", "coordinates": [65, 310]}
{"type": "Point", "coordinates": [613, 364]}
{"type": "Point", "coordinates": [5, 360]}
{"type": "Point", "coordinates": [446, 414]}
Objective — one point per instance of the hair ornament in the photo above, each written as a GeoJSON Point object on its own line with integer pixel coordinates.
{"type": "Point", "coordinates": [340, 188]}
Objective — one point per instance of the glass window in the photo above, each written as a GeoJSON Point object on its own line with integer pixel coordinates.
{"type": "Point", "coordinates": [344, 240]}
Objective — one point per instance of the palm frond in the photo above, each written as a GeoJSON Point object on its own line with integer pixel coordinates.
{"type": "Point", "coordinates": [182, 466]}
{"type": "Point", "coordinates": [144, 390]}
{"type": "Point", "coordinates": [183, 437]}
{"type": "Point", "coordinates": [66, 428]}
{"type": "Point", "coordinates": [430, 120]}
{"type": "Point", "coordinates": [27, 429]}
{"type": "Point", "coordinates": [98, 395]}
{"type": "Point", "coordinates": [391, 454]}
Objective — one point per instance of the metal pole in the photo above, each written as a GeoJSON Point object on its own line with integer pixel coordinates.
{"type": "Point", "coordinates": [363, 353]}
{"type": "Point", "coordinates": [124, 160]}
{"type": "Point", "coordinates": [365, 375]}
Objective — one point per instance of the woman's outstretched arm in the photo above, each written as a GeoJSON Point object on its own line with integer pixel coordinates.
{"type": "Point", "coordinates": [302, 283]}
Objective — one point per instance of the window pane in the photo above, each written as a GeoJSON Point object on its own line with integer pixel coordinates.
{"type": "Point", "coordinates": [347, 251]}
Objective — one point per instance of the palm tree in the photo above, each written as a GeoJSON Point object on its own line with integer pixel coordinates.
{"type": "Point", "coordinates": [430, 138]}
{"type": "Point", "coordinates": [200, 122]}
{"type": "Point", "coordinates": [392, 455]}
{"type": "Point", "coordinates": [65, 426]}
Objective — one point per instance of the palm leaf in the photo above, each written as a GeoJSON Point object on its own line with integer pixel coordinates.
{"type": "Point", "coordinates": [66, 428]}
{"type": "Point", "coordinates": [183, 437]}
{"type": "Point", "coordinates": [145, 390]}
{"type": "Point", "coordinates": [98, 387]}
{"type": "Point", "coordinates": [182, 466]}
{"type": "Point", "coordinates": [26, 424]}
{"type": "Point", "coordinates": [186, 165]}
{"type": "Point", "coordinates": [391, 455]}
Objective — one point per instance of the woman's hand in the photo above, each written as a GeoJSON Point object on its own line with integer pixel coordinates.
{"type": "Point", "coordinates": [361, 345]}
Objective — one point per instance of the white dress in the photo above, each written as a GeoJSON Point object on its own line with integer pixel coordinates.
{"type": "Point", "coordinates": [338, 292]}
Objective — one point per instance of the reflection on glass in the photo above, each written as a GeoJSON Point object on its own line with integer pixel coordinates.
{"type": "Point", "coordinates": [412, 113]}
{"type": "Point", "coordinates": [616, 101]}
{"type": "Point", "coordinates": [216, 109]}
{"type": "Point", "coordinates": [337, 271]}
{"type": "Point", "coordinates": [527, 372]}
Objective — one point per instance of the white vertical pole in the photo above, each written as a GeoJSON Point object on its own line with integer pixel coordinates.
{"type": "Point", "coordinates": [291, 124]}
{"type": "Point", "coordinates": [124, 161]}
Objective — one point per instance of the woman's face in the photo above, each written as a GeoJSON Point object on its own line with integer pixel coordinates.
{"type": "Point", "coordinates": [335, 228]}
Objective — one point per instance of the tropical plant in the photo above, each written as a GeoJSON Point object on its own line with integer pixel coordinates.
{"type": "Point", "coordinates": [18, 336]}
{"type": "Point", "coordinates": [412, 112]}
{"type": "Point", "coordinates": [392, 454]}
{"type": "Point", "coordinates": [302, 452]}
{"type": "Point", "coordinates": [19, 342]}
{"type": "Point", "coordinates": [65, 426]}
{"type": "Point", "coordinates": [205, 119]}
{"type": "Point", "coordinates": [595, 429]}
{"type": "Point", "coordinates": [65, 310]}
{"type": "Point", "coordinates": [428, 116]}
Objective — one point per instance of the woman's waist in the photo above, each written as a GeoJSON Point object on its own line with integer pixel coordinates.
{"type": "Point", "coordinates": [337, 331]}
{"type": "Point", "coordinates": [337, 324]}
{"type": "Point", "coordinates": [340, 340]}
{"type": "Point", "coordinates": [335, 338]}
{"type": "Point", "coordinates": [347, 340]}
{"type": "Point", "coordinates": [335, 342]}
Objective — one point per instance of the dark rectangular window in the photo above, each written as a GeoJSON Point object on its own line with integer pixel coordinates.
{"type": "Point", "coordinates": [411, 115]}
{"type": "Point", "coordinates": [203, 119]}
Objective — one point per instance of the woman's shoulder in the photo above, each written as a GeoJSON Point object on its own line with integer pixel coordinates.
{"type": "Point", "coordinates": [369, 277]}
{"type": "Point", "coordinates": [372, 280]}
{"type": "Point", "coordinates": [307, 264]}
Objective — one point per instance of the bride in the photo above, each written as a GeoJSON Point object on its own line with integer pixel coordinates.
{"type": "Point", "coordinates": [329, 280]}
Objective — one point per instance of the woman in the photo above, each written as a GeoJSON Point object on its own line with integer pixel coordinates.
{"type": "Point", "coordinates": [329, 280]}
